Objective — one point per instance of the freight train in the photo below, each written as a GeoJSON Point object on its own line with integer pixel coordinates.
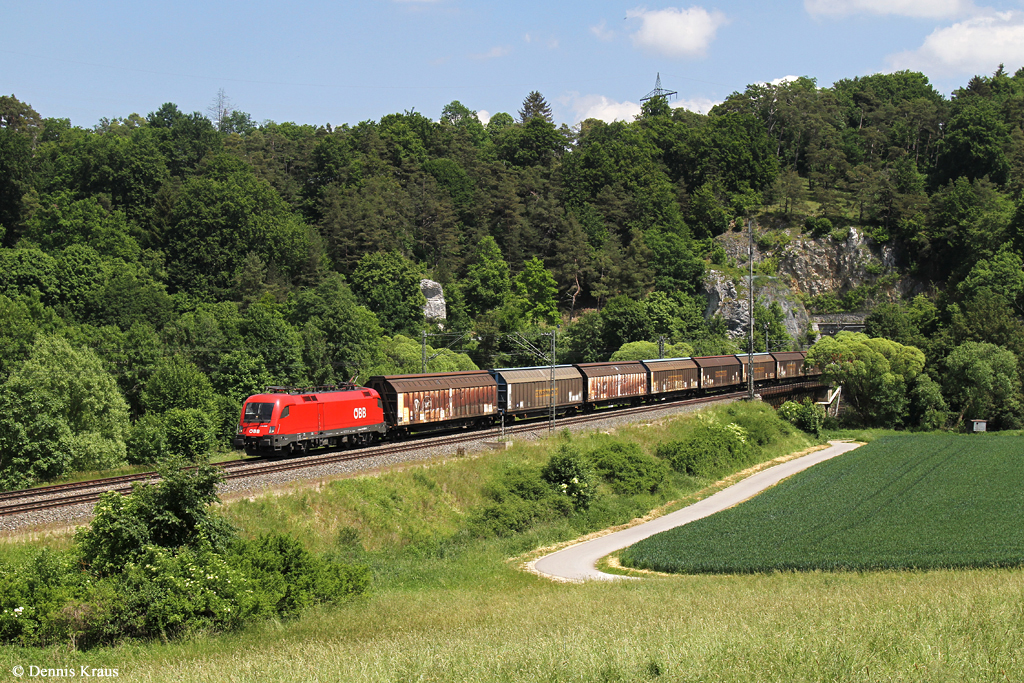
{"type": "Point", "coordinates": [288, 419]}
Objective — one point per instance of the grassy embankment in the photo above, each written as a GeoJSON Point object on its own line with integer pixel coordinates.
{"type": "Point", "coordinates": [448, 606]}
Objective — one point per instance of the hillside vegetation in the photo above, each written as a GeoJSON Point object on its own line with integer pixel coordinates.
{"type": "Point", "coordinates": [155, 269]}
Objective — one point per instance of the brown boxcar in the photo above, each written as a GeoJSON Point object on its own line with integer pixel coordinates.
{"type": "Point", "coordinates": [416, 402]}
{"type": "Point", "coordinates": [719, 371]}
{"type": "Point", "coordinates": [614, 383]}
{"type": "Point", "coordinates": [791, 364]}
{"type": "Point", "coordinates": [670, 375]}
{"type": "Point", "coordinates": [525, 391]}
{"type": "Point", "coordinates": [764, 366]}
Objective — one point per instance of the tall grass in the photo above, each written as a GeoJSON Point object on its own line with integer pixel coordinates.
{"type": "Point", "coordinates": [910, 626]}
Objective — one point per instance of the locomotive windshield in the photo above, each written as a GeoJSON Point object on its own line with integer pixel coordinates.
{"type": "Point", "coordinates": [257, 412]}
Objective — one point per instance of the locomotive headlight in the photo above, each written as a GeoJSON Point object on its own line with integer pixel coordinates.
{"type": "Point", "coordinates": [271, 430]}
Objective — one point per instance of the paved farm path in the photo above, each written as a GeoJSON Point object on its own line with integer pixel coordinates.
{"type": "Point", "coordinates": [577, 562]}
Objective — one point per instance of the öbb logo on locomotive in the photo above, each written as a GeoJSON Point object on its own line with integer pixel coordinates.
{"type": "Point", "coordinates": [296, 419]}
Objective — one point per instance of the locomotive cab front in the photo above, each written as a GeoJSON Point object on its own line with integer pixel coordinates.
{"type": "Point", "coordinates": [257, 424]}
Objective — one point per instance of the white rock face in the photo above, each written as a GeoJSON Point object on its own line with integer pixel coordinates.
{"type": "Point", "coordinates": [825, 265]}
{"type": "Point", "coordinates": [435, 308]}
{"type": "Point", "coordinates": [731, 302]}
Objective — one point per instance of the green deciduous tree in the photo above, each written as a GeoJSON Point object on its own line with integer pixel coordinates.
{"type": "Point", "coordinates": [982, 382]}
{"type": "Point", "coordinates": [266, 332]}
{"type": "Point", "coordinates": [581, 342]}
{"type": "Point", "coordinates": [876, 374]}
{"type": "Point", "coordinates": [221, 216]}
{"type": "Point", "coordinates": [403, 355]}
{"type": "Point", "coordinates": [176, 383]}
{"type": "Point", "coordinates": [974, 145]}
{"type": "Point", "coordinates": [624, 320]}
{"type": "Point", "coordinates": [59, 411]}
{"type": "Point", "coordinates": [537, 289]}
{"type": "Point", "coordinates": [189, 433]}
{"type": "Point", "coordinates": [21, 319]}
{"type": "Point", "coordinates": [645, 350]}
{"type": "Point", "coordinates": [388, 284]}
{"type": "Point", "coordinates": [487, 283]}
{"type": "Point", "coordinates": [341, 338]}
{"type": "Point", "coordinates": [61, 220]}
{"type": "Point", "coordinates": [928, 407]}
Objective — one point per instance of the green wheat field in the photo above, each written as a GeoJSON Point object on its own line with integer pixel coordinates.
{"type": "Point", "coordinates": [902, 502]}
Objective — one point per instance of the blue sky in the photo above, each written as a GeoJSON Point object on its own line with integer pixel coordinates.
{"type": "Point", "coordinates": [312, 61]}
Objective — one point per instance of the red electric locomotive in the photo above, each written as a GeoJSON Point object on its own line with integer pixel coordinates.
{"type": "Point", "coordinates": [296, 419]}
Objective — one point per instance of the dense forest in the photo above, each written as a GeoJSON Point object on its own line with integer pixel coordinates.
{"type": "Point", "coordinates": [157, 269]}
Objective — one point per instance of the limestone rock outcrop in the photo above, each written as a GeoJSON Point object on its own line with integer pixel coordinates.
{"type": "Point", "coordinates": [435, 308]}
{"type": "Point", "coordinates": [805, 267]}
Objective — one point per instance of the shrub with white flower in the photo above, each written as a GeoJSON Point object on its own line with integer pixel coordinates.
{"type": "Point", "coordinates": [571, 472]}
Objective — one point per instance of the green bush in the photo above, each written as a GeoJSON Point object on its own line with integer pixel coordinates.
{"type": "Point", "coordinates": [818, 226]}
{"type": "Point", "coordinates": [189, 433]}
{"type": "Point", "coordinates": [147, 440]}
{"type": "Point", "coordinates": [172, 513]}
{"type": "Point", "coordinates": [511, 516]}
{"type": "Point", "coordinates": [772, 240]}
{"type": "Point", "coordinates": [768, 266]}
{"type": "Point", "coordinates": [571, 473]}
{"type": "Point", "coordinates": [709, 449]}
{"type": "Point", "coordinates": [287, 578]}
{"type": "Point", "coordinates": [717, 255]}
{"type": "Point", "coordinates": [226, 412]}
{"type": "Point", "coordinates": [759, 421]}
{"type": "Point", "coordinates": [841, 234]}
{"type": "Point", "coordinates": [169, 593]}
{"type": "Point", "coordinates": [520, 498]}
{"type": "Point", "coordinates": [518, 481]}
{"type": "Point", "coordinates": [807, 416]}
{"type": "Point", "coordinates": [33, 595]}
{"type": "Point", "coordinates": [628, 469]}
{"type": "Point", "coordinates": [827, 302]}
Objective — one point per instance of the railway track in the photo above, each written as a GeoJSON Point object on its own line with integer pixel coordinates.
{"type": "Point", "coordinates": [78, 493]}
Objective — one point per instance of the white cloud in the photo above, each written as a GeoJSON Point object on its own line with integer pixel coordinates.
{"type": "Point", "coordinates": [676, 32]}
{"type": "Point", "coordinates": [784, 79]}
{"type": "Point", "coordinates": [906, 8]}
{"type": "Point", "coordinates": [551, 43]}
{"type": "Point", "coordinates": [483, 116]}
{"type": "Point", "coordinates": [976, 45]}
{"type": "Point", "coordinates": [602, 32]}
{"type": "Point", "coordinates": [701, 105]}
{"type": "Point", "coordinates": [600, 107]}
{"type": "Point", "coordinates": [493, 53]}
